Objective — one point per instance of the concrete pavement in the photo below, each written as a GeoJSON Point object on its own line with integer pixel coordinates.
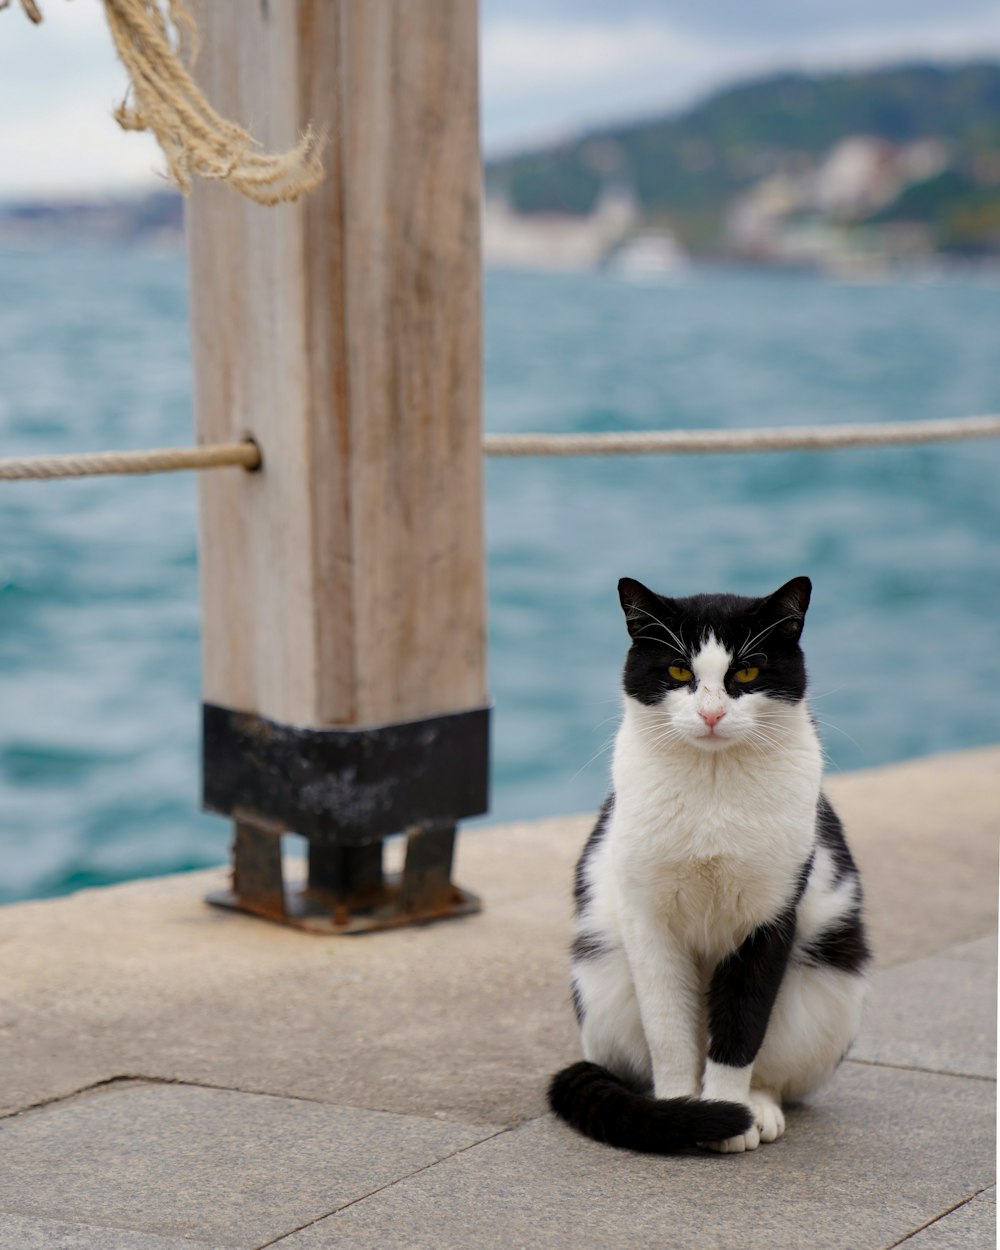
{"type": "Point", "coordinates": [176, 1076]}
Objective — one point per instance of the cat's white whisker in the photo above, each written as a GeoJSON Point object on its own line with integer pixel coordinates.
{"type": "Point", "coordinates": [608, 742]}
{"type": "Point", "coordinates": [764, 632]}
{"type": "Point", "coordinates": [836, 728]}
{"type": "Point", "coordinates": [661, 625]}
{"type": "Point", "coordinates": [649, 638]}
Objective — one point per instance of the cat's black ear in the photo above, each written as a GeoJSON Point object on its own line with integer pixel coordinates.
{"type": "Point", "coordinates": [788, 606]}
{"type": "Point", "coordinates": [641, 606]}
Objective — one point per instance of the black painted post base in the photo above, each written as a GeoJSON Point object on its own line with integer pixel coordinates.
{"type": "Point", "coordinates": [344, 791]}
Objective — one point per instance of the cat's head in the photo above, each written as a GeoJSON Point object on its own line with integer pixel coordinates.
{"type": "Point", "coordinates": [716, 671]}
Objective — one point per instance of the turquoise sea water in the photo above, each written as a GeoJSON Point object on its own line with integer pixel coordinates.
{"type": "Point", "coordinates": [99, 651]}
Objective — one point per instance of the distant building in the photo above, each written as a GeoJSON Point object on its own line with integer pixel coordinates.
{"type": "Point", "coordinates": [859, 175]}
{"type": "Point", "coordinates": [814, 217]}
{"type": "Point", "coordinates": [755, 219]}
{"type": "Point", "coordinates": [554, 240]}
{"type": "Point", "coordinates": [649, 255]}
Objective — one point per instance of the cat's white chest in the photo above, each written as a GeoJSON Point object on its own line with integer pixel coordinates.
{"type": "Point", "coordinates": [710, 899]}
{"type": "Point", "coordinates": [710, 848]}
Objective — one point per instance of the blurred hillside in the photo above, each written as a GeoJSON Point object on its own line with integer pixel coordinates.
{"type": "Point", "coordinates": [849, 173]}
{"type": "Point", "coordinates": [792, 165]}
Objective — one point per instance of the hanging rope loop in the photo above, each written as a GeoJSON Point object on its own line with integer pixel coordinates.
{"type": "Point", "coordinates": [157, 42]}
{"type": "Point", "coordinates": [32, 11]}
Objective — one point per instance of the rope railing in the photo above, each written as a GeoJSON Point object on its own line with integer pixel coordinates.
{"type": "Point", "coordinates": [780, 438]}
{"type": "Point", "coordinates": [157, 460]}
{"type": "Point", "coordinates": [629, 443]}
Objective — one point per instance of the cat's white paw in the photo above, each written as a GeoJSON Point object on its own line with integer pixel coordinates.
{"type": "Point", "coordinates": [769, 1119]}
{"type": "Point", "coordinates": [749, 1140]}
{"type": "Point", "coordinates": [768, 1125]}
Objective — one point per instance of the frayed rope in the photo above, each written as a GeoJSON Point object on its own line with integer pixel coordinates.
{"type": "Point", "coordinates": [156, 45]}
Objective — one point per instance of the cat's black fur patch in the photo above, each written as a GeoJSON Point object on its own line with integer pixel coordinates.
{"type": "Point", "coordinates": [602, 1106]}
{"type": "Point", "coordinates": [760, 633]}
{"type": "Point", "coordinates": [803, 879]}
{"type": "Point", "coordinates": [843, 946]}
{"type": "Point", "coordinates": [596, 836]}
{"type": "Point", "coordinates": [830, 833]}
{"type": "Point", "coordinates": [745, 984]}
{"type": "Point", "coordinates": [588, 946]}
{"type": "Point", "coordinates": [742, 991]}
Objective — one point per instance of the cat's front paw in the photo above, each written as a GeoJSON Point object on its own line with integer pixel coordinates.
{"type": "Point", "coordinates": [749, 1140]}
{"type": "Point", "coordinates": [768, 1125]}
{"type": "Point", "coordinates": [768, 1117]}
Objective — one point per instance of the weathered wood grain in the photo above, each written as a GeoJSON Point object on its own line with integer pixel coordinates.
{"type": "Point", "coordinates": [344, 583]}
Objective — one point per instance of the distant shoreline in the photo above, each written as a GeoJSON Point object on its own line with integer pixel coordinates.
{"type": "Point", "coordinates": [925, 271]}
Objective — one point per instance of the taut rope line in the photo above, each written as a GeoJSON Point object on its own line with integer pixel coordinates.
{"type": "Point", "coordinates": [157, 460]}
{"type": "Point", "coordinates": [779, 438]}
{"type": "Point", "coordinates": [632, 443]}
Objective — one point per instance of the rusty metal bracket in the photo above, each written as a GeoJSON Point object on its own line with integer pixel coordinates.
{"type": "Point", "coordinates": [345, 791]}
{"type": "Point", "coordinates": [346, 890]}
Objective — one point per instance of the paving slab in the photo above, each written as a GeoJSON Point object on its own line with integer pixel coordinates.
{"type": "Point", "coordinates": [982, 952]}
{"type": "Point", "coordinates": [465, 1019]}
{"type": "Point", "coordinates": [972, 1226]}
{"type": "Point", "coordinates": [397, 1057]}
{"type": "Point", "coordinates": [19, 1232]}
{"type": "Point", "coordinates": [216, 1166]}
{"type": "Point", "coordinates": [926, 835]}
{"type": "Point", "coordinates": [877, 1155]}
{"type": "Point", "coordinates": [938, 1013]}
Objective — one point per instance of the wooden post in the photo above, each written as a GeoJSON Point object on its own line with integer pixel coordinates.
{"type": "Point", "coordinates": [343, 585]}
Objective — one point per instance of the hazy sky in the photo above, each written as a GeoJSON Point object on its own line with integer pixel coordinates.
{"type": "Point", "coordinates": [548, 67]}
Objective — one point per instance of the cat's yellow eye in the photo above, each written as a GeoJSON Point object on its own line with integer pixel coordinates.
{"type": "Point", "coordinates": [746, 674]}
{"type": "Point", "coordinates": [679, 673]}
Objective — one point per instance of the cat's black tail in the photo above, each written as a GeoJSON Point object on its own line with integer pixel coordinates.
{"type": "Point", "coordinates": [601, 1106]}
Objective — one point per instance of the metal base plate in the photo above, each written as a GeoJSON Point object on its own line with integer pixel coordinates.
{"type": "Point", "coordinates": [317, 913]}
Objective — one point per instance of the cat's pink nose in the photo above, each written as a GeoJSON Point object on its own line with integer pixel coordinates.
{"type": "Point", "coordinates": [711, 717]}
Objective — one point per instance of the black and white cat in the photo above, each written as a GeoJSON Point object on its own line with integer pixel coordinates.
{"type": "Point", "coordinates": [720, 959]}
